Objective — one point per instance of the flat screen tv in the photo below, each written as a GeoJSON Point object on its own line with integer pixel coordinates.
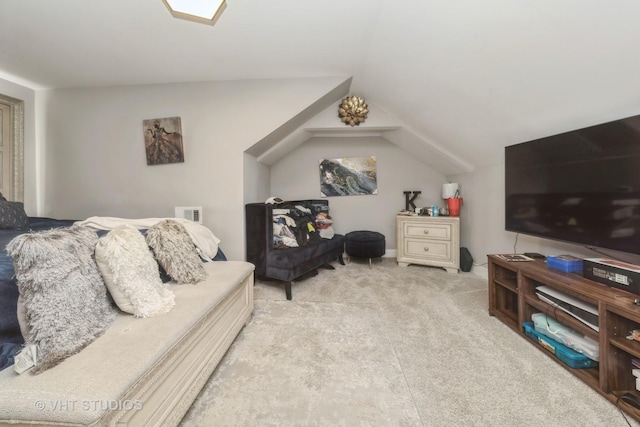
{"type": "Point", "coordinates": [581, 186]}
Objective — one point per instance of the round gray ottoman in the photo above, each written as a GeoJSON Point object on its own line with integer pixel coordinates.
{"type": "Point", "coordinates": [364, 244]}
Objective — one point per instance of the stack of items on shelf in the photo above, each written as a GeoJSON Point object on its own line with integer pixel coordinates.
{"type": "Point", "coordinates": [572, 348]}
{"type": "Point", "coordinates": [567, 336]}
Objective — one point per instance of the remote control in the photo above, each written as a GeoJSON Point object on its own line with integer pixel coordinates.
{"type": "Point", "coordinates": [535, 255]}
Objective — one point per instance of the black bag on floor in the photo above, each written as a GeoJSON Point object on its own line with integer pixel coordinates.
{"type": "Point", "coordinates": [466, 260]}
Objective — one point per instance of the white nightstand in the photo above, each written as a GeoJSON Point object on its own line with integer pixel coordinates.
{"type": "Point", "coordinates": [429, 240]}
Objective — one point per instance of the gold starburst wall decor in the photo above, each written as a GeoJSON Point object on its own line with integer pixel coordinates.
{"type": "Point", "coordinates": [353, 110]}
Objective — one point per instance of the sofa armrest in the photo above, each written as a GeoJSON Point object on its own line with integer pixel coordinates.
{"type": "Point", "coordinates": [259, 235]}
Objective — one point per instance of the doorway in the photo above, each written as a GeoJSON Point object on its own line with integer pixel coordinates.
{"type": "Point", "coordinates": [12, 148]}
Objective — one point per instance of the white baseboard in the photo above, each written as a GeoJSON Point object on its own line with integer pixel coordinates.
{"type": "Point", "coordinates": [479, 270]}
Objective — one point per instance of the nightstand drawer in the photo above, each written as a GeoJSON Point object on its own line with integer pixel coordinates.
{"type": "Point", "coordinates": [432, 250]}
{"type": "Point", "coordinates": [427, 231]}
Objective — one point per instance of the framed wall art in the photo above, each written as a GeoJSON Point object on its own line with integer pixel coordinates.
{"type": "Point", "coordinates": [163, 140]}
{"type": "Point", "coordinates": [348, 176]}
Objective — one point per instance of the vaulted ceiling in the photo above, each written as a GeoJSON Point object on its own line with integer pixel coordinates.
{"type": "Point", "coordinates": [464, 78]}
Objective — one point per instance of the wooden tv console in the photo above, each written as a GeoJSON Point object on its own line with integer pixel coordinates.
{"type": "Point", "coordinates": [512, 300]}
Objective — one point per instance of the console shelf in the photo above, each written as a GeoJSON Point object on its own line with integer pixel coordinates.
{"type": "Point", "coordinates": [513, 299]}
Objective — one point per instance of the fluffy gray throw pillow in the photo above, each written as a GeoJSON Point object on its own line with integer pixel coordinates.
{"type": "Point", "coordinates": [66, 301]}
{"type": "Point", "coordinates": [175, 252]}
{"type": "Point", "coordinates": [131, 274]}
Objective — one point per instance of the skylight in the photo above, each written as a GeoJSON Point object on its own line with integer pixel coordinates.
{"type": "Point", "coordinates": [203, 11]}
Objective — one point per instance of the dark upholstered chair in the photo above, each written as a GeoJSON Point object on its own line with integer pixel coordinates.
{"type": "Point", "coordinates": [288, 264]}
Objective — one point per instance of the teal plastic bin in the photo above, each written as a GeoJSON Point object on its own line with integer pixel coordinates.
{"type": "Point", "coordinates": [565, 354]}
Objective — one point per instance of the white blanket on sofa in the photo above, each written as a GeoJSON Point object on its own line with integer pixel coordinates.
{"type": "Point", "coordinates": [203, 238]}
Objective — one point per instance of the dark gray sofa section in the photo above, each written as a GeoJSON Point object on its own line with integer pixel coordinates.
{"type": "Point", "coordinates": [287, 264]}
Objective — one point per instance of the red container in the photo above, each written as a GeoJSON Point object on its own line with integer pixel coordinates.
{"type": "Point", "coordinates": [454, 206]}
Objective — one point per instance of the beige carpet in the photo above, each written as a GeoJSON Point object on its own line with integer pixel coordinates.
{"type": "Point", "coordinates": [389, 346]}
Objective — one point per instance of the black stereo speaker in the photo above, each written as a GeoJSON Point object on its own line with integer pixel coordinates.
{"type": "Point", "coordinates": [466, 260]}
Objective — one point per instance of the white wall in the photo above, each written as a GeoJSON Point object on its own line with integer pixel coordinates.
{"type": "Point", "coordinates": [257, 181]}
{"type": "Point", "coordinates": [31, 142]}
{"type": "Point", "coordinates": [95, 160]}
{"type": "Point", "coordinates": [297, 176]}
{"type": "Point", "coordinates": [84, 156]}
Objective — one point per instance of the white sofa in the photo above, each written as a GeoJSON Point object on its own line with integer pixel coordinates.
{"type": "Point", "coordinates": [141, 371]}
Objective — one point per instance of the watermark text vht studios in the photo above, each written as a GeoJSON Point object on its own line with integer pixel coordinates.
{"type": "Point", "coordinates": [61, 405]}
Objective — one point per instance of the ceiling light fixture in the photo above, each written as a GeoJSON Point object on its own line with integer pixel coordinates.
{"type": "Point", "coordinates": [203, 11]}
{"type": "Point", "coordinates": [353, 110]}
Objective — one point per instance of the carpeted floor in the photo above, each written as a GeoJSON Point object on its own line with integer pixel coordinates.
{"type": "Point", "coordinates": [389, 346]}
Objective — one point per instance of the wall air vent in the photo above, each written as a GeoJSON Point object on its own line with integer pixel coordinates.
{"type": "Point", "coordinates": [192, 213]}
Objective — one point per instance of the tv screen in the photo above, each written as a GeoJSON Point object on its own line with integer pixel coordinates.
{"type": "Point", "coordinates": [581, 186]}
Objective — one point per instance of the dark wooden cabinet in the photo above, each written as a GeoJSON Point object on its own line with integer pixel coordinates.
{"type": "Point", "coordinates": [513, 299]}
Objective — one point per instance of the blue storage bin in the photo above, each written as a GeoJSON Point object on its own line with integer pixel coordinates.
{"type": "Point", "coordinates": [565, 354]}
{"type": "Point", "coordinates": [566, 263]}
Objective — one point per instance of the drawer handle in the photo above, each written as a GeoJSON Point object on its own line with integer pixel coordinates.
{"type": "Point", "coordinates": [426, 249]}
{"type": "Point", "coordinates": [426, 231]}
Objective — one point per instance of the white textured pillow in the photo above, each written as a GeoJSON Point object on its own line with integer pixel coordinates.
{"type": "Point", "coordinates": [131, 273]}
{"type": "Point", "coordinates": [175, 251]}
